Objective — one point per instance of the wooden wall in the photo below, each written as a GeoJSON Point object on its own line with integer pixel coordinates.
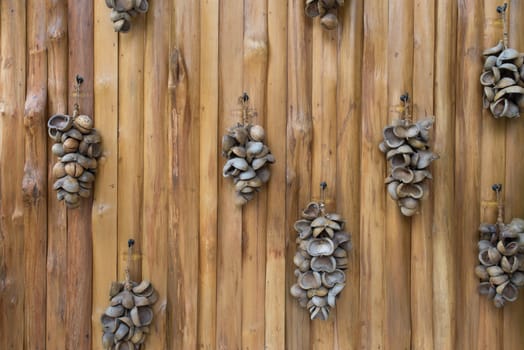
{"type": "Point", "coordinates": [162, 96]}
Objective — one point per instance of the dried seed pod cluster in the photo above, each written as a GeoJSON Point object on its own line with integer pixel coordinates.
{"type": "Point", "coordinates": [125, 322]}
{"type": "Point", "coordinates": [123, 10]}
{"type": "Point", "coordinates": [77, 146]}
{"type": "Point", "coordinates": [326, 9]}
{"type": "Point", "coordinates": [406, 146]}
{"type": "Point", "coordinates": [503, 81]}
{"type": "Point", "coordinates": [248, 159]}
{"type": "Point", "coordinates": [321, 258]}
{"type": "Point", "coordinates": [501, 257]}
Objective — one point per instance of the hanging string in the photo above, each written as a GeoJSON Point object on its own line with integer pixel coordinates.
{"type": "Point", "coordinates": [500, 214]}
{"type": "Point", "coordinates": [323, 186]}
{"type": "Point", "coordinates": [502, 11]}
{"type": "Point", "coordinates": [244, 102]}
{"type": "Point", "coordinates": [130, 244]}
{"type": "Point", "coordinates": [76, 107]}
{"type": "Point", "coordinates": [406, 111]}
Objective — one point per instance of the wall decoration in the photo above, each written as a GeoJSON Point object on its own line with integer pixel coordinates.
{"type": "Point", "coordinates": [126, 321]}
{"type": "Point", "coordinates": [503, 77]}
{"type": "Point", "coordinates": [123, 10]}
{"type": "Point", "coordinates": [321, 258]}
{"type": "Point", "coordinates": [248, 158]}
{"type": "Point", "coordinates": [77, 146]}
{"type": "Point", "coordinates": [326, 9]}
{"type": "Point", "coordinates": [406, 145]}
{"type": "Point", "coordinates": [501, 257]}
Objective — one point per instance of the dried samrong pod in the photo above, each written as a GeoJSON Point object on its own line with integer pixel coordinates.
{"type": "Point", "coordinates": [501, 258]}
{"type": "Point", "coordinates": [406, 146]}
{"type": "Point", "coordinates": [78, 147]}
{"type": "Point", "coordinates": [123, 10]}
{"type": "Point", "coordinates": [321, 260]}
{"type": "Point", "coordinates": [326, 10]}
{"type": "Point", "coordinates": [248, 157]}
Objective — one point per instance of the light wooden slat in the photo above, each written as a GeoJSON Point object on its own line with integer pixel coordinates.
{"type": "Point", "coordinates": [130, 170]}
{"type": "Point", "coordinates": [275, 281]}
{"type": "Point", "coordinates": [254, 220]}
{"type": "Point", "coordinates": [209, 173]}
{"type": "Point", "coordinates": [156, 156]}
{"type": "Point", "coordinates": [349, 119]}
{"type": "Point", "coordinates": [467, 170]}
{"type": "Point", "coordinates": [298, 159]}
{"type": "Point", "coordinates": [229, 261]}
{"type": "Point", "coordinates": [105, 205]}
{"type": "Point", "coordinates": [444, 233]}
{"type": "Point", "coordinates": [373, 170]}
{"type": "Point", "coordinates": [397, 272]}
{"type": "Point", "coordinates": [12, 96]}
{"type": "Point", "coordinates": [34, 184]}
{"type": "Point", "coordinates": [492, 163]}
{"type": "Point", "coordinates": [56, 213]}
{"type": "Point", "coordinates": [421, 228]}
{"type": "Point", "coordinates": [512, 336]}
{"type": "Point", "coordinates": [184, 105]}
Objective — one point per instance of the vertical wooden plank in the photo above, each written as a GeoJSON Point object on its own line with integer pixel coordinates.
{"type": "Point", "coordinates": [324, 152]}
{"type": "Point", "coordinates": [130, 170]}
{"type": "Point", "coordinates": [57, 86]}
{"type": "Point", "coordinates": [492, 164]}
{"type": "Point", "coordinates": [229, 292]}
{"type": "Point", "coordinates": [209, 170]}
{"type": "Point", "coordinates": [34, 184]}
{"type": "Point", "coordinates": [156, 183]}
{"type": "Point", "coordinates": [12, 94]}
{"type": "Point", "coordinates": [275, 300]}
{"type": "Point", "coordinates": [349, 121]}
{"type": "Point", "coordinates": [254, 223]}
{"type": "Point", "coordinates": [184, 101]}
{"type": "Point", "coordinates": [514, 313]}
{"type": "Point", "coordinates": [421, 228]}
{"type": "Point", "coordinates": [444, 221]}
{"type": "Point", "coordinates": [79, 235]}
{"type": "Point", "coordinates": [467, 167]}
{"type": "Point", "coordinates": [397, 257]}
{"type": "Point", "coordinates": [373, 169]}
{"type": "Point", "coordinates": [105, 206]}
{"type": "Point", "coordinates": [298, 158]}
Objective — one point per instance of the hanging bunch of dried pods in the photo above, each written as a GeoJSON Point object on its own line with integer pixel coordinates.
{"type": "Point", "coordinates": [248, 158]}
{"type": "Point", "coordinates": [503, 77]}
{"type": "Point", "coordinates": [126, 321]}
{"type": "Point", "coordinates": [77, 146]}
{"type": "Point", "coordinates": [407, 151]}
{"type": "Point", "coordinates": [501, 257]}
{"type": "Point", "coordinates": [321, 258]}
{"type": "Point", "coordinates": [326, 9]}
{"type": "Point", "coordinates": [123, 10]}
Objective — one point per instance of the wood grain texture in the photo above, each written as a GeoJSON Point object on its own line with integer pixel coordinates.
{"type": "Point", "coordinates": [34, 183]}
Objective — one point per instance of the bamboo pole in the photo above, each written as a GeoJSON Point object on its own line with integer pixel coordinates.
{"type": "Point", "coordinates": [347, 183]}
{"type": "Point", "coordinates": [57, 85]}
{"type": "Point", "coordinates": [492, 163]}
{"type": "Point", "coordinates": [324, 151]}
{"type": "Point", "coordinates": [12, 93]}
{"type": "Point", "coordinates": [467, 168]}
{"type": "Point", "coordinates": [275, 281]}
{"type": "Point", "coordinates": [421, 227]}
{"type": "Point", "coordinates": [298, 159]}
{"type": "Point", "coordinates": [156, 184]}
{"type": "Point", "coordinates": [104, 215]}
{"type": "Point", "coordinates": [34, 184]}
{"type": "Point", "coordinates": [209, 170]}
{"type": "Point", "coordinates": [373, 170]}
{"type": "Point", "coordinates": [229, 261]}
{"type": "Point", "coordinates": [130, 145]}
{"type": "Point", "coordinates": [514, 181]}
{"type": "Point", "coordinates": [79, 239]}
{"type": "Point", "coordinates": [444, 221]}
{"type": "Point", "coordinates": [184, 101]}
{"type": "Point", "coordinates": [254, 221]}
{"type": "Point", "coordinates": [398, 227]}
